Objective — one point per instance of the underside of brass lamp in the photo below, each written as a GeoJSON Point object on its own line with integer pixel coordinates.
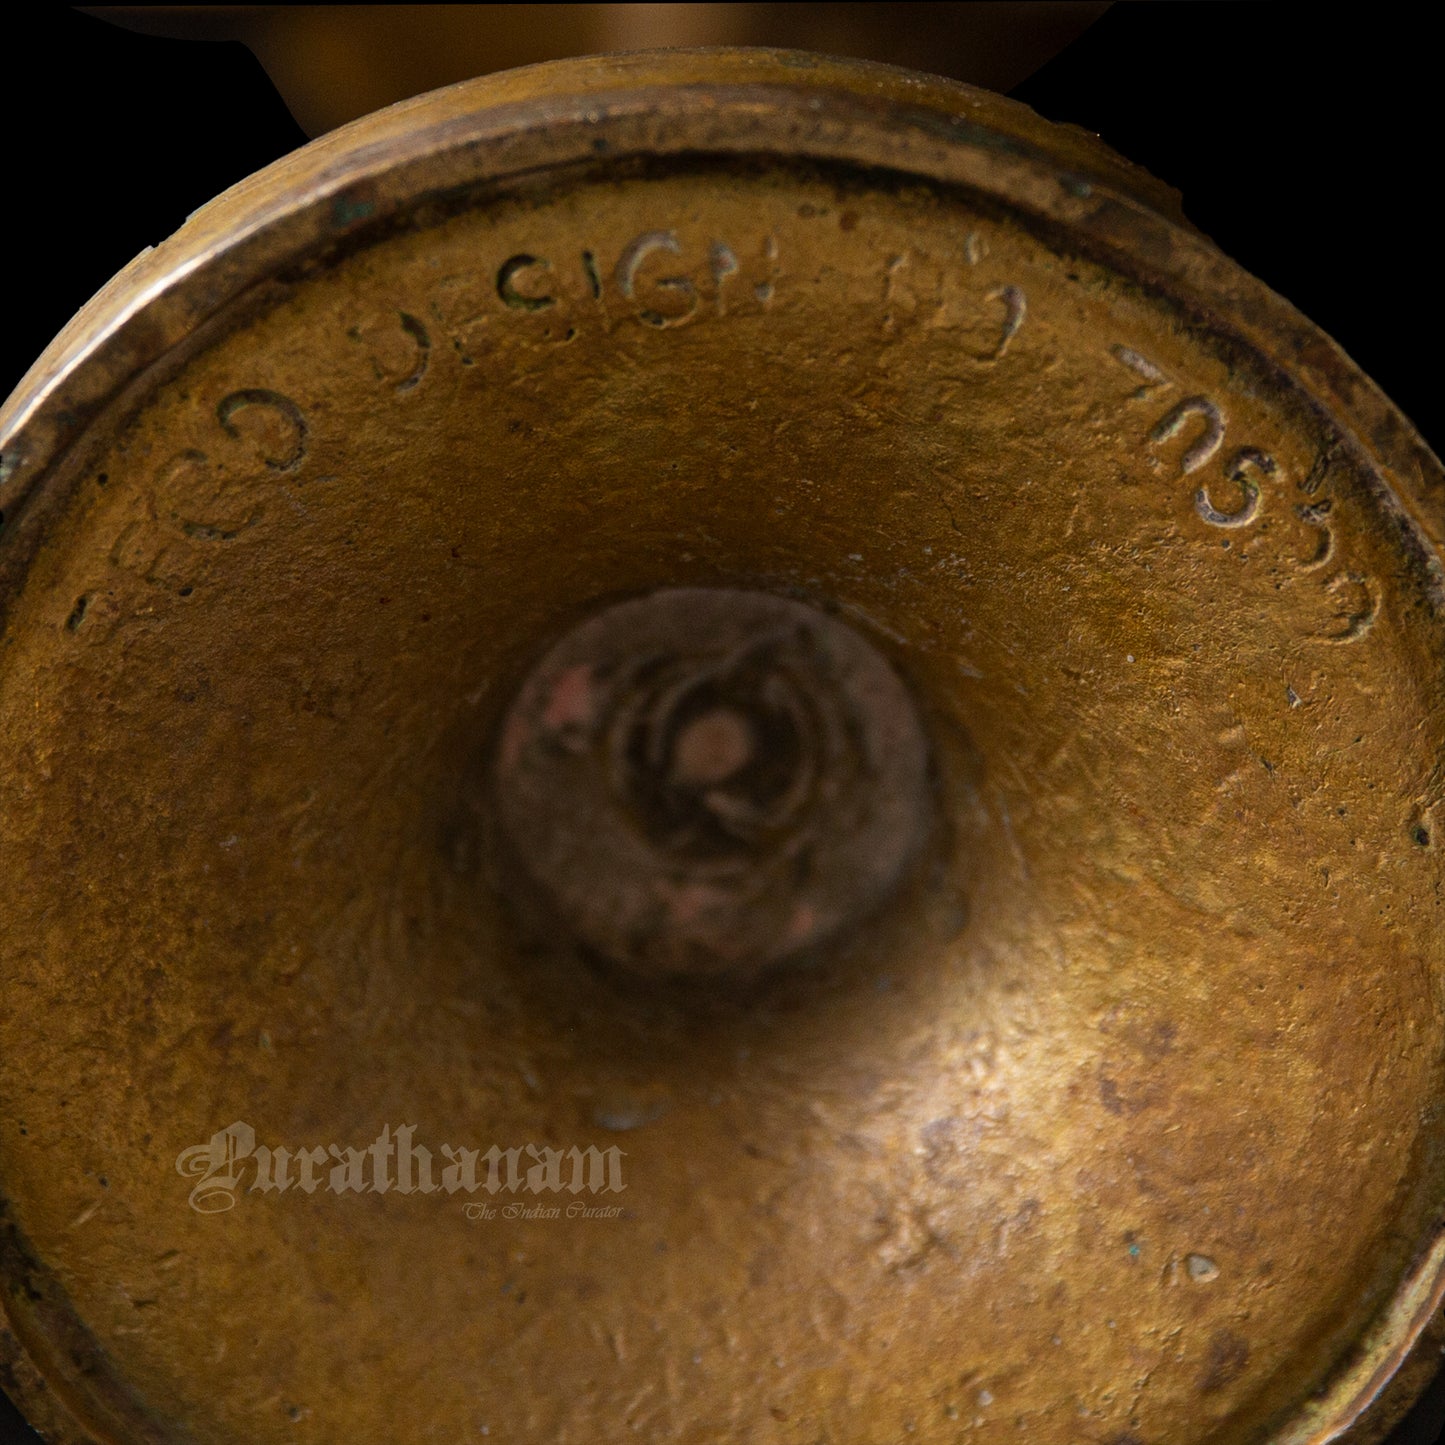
{"type": "Point", "coordinates": [715, 746]}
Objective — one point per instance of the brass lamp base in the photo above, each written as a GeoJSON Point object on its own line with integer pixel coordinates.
{"type": "Point", "coordinates": [771, 649]}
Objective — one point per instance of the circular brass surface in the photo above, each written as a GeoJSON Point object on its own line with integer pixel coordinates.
{"type": "Point", "coordinates": [1120, 1123]}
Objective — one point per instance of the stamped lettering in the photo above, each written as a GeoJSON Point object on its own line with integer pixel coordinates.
{"type": "Point", "coordinates": [270, 423]}
{"type": "Point", "coordinates": [980, 320]}
{"type": "Point", "coordinates": [658, 279]}
{"type": "Point", "coordinates": [723, 265]}
{"type": "Point", "coordinates": [515, 267]}
{"type": "Point", "coordinates": [675, 295]}
{"type": "Point", "coordinates": [1353, 595]}
{"type": "Point", "coordinates": [1014, 305]}
{"type": "Point", "coordinates": [1358, 607]}
{"type": "Point", "coordinates": [1199, 417]}
{"type": "Point", "coordinates": [202, 498]}
{"type": "Point", "coordinates": [1317, 515]}
{"type": "Point", "coordinates": [399, 348]}
{"type": "Point", "coordinates": [1141, 366]}
{"type": "Point", "coordinates": [1237, 500]}
{"type": "Point", "coordinates": [1242, 469]}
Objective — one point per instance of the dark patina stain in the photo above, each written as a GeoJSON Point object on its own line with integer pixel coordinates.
{"type": "Point", "coordinates": [1224, 1361]}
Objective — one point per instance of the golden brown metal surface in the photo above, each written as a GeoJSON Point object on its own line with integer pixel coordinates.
{"type": "Point", "coordinates": [1118, 1121]}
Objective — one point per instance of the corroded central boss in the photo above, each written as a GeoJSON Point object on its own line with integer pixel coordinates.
{"type": "Point", "coordinates": [709, 781]}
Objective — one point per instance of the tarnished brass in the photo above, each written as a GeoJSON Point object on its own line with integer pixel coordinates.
{"type": "Point", "coordinates": [1108, 1110]}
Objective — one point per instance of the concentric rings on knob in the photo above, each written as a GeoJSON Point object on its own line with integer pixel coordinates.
{"type": "Point", "coordinates": [710, 781]}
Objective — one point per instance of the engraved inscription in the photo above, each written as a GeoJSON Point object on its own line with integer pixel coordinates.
{"type": "Point", "coordinates": [661, 280]}
{"type": "Point", "coordinates": [1324, 464]}
{"type": "Point", "coordinates": [1200, 420]}
{"type": "Point", "coordinates": [1354, 597]}
{"type": "Point", "coordinates": [1199, 415]}
{"type": "Point", "coordinates": [1317, 514]}
{"type": "Point", "coordinates": [1246, 461]}
{"type": "Point", "coordinates": [678, 295]}
{"type": "Point", "coordinates": [511, 270]}
{"type": "Point", "coordinates": [1015, 308]}
{"type": "Point", "coordinates": [270, 422]}
{"type": "Point", "coordinates": [979, 319]}
{"type": "Point", "coordinates": [1141, 366]}
{"type": "Point", "coordinates": [764, 289]}
{"type": "Point", "coordinates": [207, 503]}
{"type": "Point", "coordinates": [201, 498]}
{"type": "Point", "coordinates": [722, 263]}
{"type": "Point", "coordinates": [1358, 607]}
{"type": "Point", "coordinates": [418, 334]}
{"type": "Point", "coordinates": [399, 349]}
{"type": "Point", "coordinates": [594, 276]}
{"type": "Point", "coordinates": [892, 291]}
{"type": "Point", "coordinates": [1249, 472]}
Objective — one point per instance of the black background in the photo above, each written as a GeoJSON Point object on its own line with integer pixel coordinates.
{"type": "Point", "coordinates": [1305, 140]}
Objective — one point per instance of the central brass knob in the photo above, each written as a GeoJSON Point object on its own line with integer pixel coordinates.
{"type": "Point", "coordinates": [710, 781]}
{"type": "Point", "coordinates": [713, 748]}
